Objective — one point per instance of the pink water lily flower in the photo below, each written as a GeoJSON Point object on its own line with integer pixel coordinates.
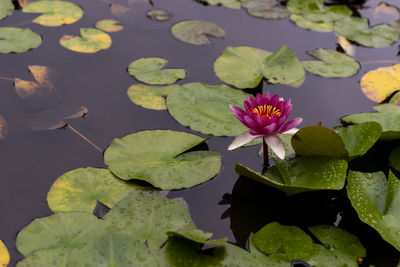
{"type": "Point", "coordinates": [265, 116]}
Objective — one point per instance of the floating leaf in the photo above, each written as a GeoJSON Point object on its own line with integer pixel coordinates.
{"type": "Point", "coordinates": [3, 127]}
{"type": "Point", "coordinates": [394, 158]}
{"type": "Point", "coordinates": [198, 236]}
{"type": "Point", "coordinates": [205, 108]}
{"type": "Point", "coordinates": [195, 31]}
{"type": "Point", "coordinates": [358, 30]}
{"type": "Point", "coordinates": [160, 158]}
{"type": "Point", "coordinates": [80, 189]}
{"type": "Point", "coordinates": [386, 10]}
{"type": "Point", "coordinates": [273, 237]}
{"type": "Point", "coordinates": [159, 14]}
{"type": "Point", "coordinates": [347, 46]}
{"type": "Point", "coordinates": [119, 10]}
{"type": "Point", "coordinates": [109, 25]}
{"type": "Point", "coordinates": [395, 99]}
{"type": "Point", "coordinates": [92, 41]}
{"type": "Point", "coordinates": [18, 40]}
{"type": "Point", "coordinates": [284, 67]}
{"type": "Point", "coordinates": [311, 25]}
{"type": "Point", "coordinates": [377, 201]}
{"type": "Point", "coordinates": [241, 66]}
{"type": "Point", "coordinates": [4, 255]}
{"type": "Point", "coordinates": [149, 70]}
{"type": "Point", "coordinates": [55, 13]}
{"type": "Point", "coordinates": [266, 9]}
{"type": "Point", "coordinates": [332, 64]}
{"type": "Point", "coordinates": [43, 87]}
{"type": "Point", "coordinates": [380, 83]}
{"type": "Point", "coordinates": [298, 174]}
{"type": "Point", "coordinates": [6, 8]}
{"type": "Point", "coordinates": [233, 4]}
{"type": "Point", "coordinates": [151, 97]}
{"type": "Point", "coordinates": [388, 108]}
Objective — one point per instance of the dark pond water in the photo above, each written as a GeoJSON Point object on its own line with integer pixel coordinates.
{"type": "Point", "coordinates": [229, 205]}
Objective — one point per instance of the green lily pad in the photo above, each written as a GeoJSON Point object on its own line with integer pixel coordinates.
{"type": "Point", "coordinates": [196, 31]}
{"type": "Point", "coordinates": [332, 64]}
{"type": "Point", "coordinates": [266, 9]}
{"type": "Point", "coordinates": [56, 256]}
{"type": "Point", "coordinates": [394, 158]}
{"type": "Point", "coordinates": [205, 108]}
{"type": "Point", "coordinates": [198, 236]}
{"type": "Point", "coordinates": [319, 141]}
{"type": "Point", "coordinates": [80, 189]}
{"type": "Point", "coordinates": [159, 14]}
{"type": "Point", "coordinates": [92, 41]}
{"type": "Point", "coordinates": [160, 158]}
{"type": "Point", "coordinates": [377, 203]}
{"type": "Point", "coordinates": [395, 98]}
{"type": "Point", "coordinates": [232, 4]}
{"type": "Point", "coordinates": [109, 25]}
{"type": "Point", "coordinates": [55, 13]}
{"type": "Point", "coordinates": [388, 108]}
{"type": "Point", "coordinates": [297, 175]}
{"type": "Point", "coordinates": [149, 70]}
{"type": "Point", "coordinates": [148, 218]}
{"type": "Point", "coordinates": [150, 97]}
{"type": "Point", "coordinates": [241, 66]}
{"type": "Point", "coordinates": [390, 122]}
{"type": "Point", "coordinates": [358, 30]}
{"type": "Point", "coordinates": [278, 259]}
{"type": "Point", "coordinates": [284, 67]}
{"type": "Point", "coordinates": [6, 8]}
{"type": "Point", "coordinates": [306, 24]}
{"type": "Point", "coordinates": [273, 237]}
{"type": "Point", "coordinates": [18, 40]}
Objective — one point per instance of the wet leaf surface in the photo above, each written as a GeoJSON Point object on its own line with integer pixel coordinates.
{"type": "Point", "coordinates": [55, 13]}
{"type": "Point", "coordinates": [91, 41]}
{"type": "Point", "coordinates": [196, 32]}
{"type": "Point", "coordinates": [159, 14]}
{"type": "Point", "coordinates": [55, 119]}
{"type": "Point", "coordinates": [6, 8]}
{"type": "Point", "coordinates": [3, 127]}
{"type": "Point", "coordinates": [158, 157]}
{"type": "Point", "coordinates": [205, 108]}
{"type": "Point", "coordinates": [109, 25]}
{"type": "Point", "coordinates": [198, 236]}
{"type": "Point", "coordinates": [150, 97]}
{"type": "Point", "coordinates": [266, 9]}
{"type": "Point", "coordinates": [18, 40]}
{"type": "Point", "coordinates": [4, 255]}
{"type": "Point", "coordinates": [150, 70]}
{"type": "Point", "coordinates": [42, 87]}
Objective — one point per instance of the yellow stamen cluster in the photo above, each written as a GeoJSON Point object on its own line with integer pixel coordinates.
{"type": "Point", "coordinates": [267, 111]}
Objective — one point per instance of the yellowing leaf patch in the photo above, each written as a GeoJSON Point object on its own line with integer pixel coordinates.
{"type": "Point", "coordinates": [92, 41]}
{"type": "Point", "coordinates": [4, 255]}
{"type": "Point", "coordinates": [43, 85]}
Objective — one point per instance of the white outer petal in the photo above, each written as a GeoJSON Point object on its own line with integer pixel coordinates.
{"type": "Point", "coordinates": [241, 140]}
{"type": "Point", "coordinates": [291, 131]}
{"type": "Point", "coordinates": [276, 145]}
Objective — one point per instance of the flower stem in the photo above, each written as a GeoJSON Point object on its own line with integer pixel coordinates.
{"type": "Point", "coordinates": [265, 152]}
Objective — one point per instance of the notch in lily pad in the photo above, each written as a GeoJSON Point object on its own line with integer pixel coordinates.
{"type": "Point", "coordinates": [109, 25]}
{"type": "Point", "coordinates": [42, 87]}
{"type": "Point", "coordinates": [90, 41]}
{"type": "Point", "coordinates": [196, 32]}
{"type": "Point", "coordinates": [150, 97]}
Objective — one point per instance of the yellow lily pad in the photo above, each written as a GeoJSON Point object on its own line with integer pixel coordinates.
{"type": "Point", "coordinates": [150, 97]}
{"type": "Point", "coordinates": [378, 84]}
{"type": "Point", "coordinates": [55, 13]}
{"type": "Point", "coordinates": [4, 255]}
{"type": "Point", "coordinates": [43, 85]}
{"type": "Point", "coordinates": [92, 41]}
{"type": "Point", "coordinates": [109, 25]}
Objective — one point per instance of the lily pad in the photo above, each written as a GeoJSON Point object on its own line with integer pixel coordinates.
{"type": "Point", "coordinates": [18, 40]}
{"type": "Point", "coordinates": [42, 87]}
{"type": "Point", "coordinates": [149, 70]}
{"type": "Point", "coordinates": [109, 25]}
{"type": "Point", "coordinates": [241, 66]}
{"type": "Point", "coordinates": [297, 175]}
{"type": "Point", "coordinates": [3, 127]}
{"type": "Point", "coordinates": [388, 108]}
{"type": "Point", "coordinates": [395, 99]}
{"type": "Point", "coordinates": [151, 97]}
{"type": "Point", "coordinates": [358, 30]}
{"type": "Point", "coordinates": [198, 236]}
{"type": "Point", "coordinates": [205, 108]}
{"type": "Point", "coordinates": [6, 8]}
{"type": "Point", "coordinates": [159, 14]}
{"type": "Point", "coordinates": [55, 13]}
{"type": "Point", "coordinates": [80, 189]}
{"type": "Point", "coordinates": [315, 26]}
{"type": "Point", "coordinates": [92, 41]}
{"type": "Point", "coordinates": [232, 4]}
{"type": "Point", "coordinates": [284, 67]}
{"type": "Point", "coordinates": [4, 255]}
{"type": "Point", "coordinates": [196, 31]}
{"type": "Point", "coordinates": [381, 83]}
{"type": "Point", "coordinates": [332, 64]}
{"type": "Point", "coordinates": [273, 237]}
{"type": "Point", "coordinates": [394, 158]}
{"type": "Point", "coordinates": [160, 157]}
{"type": "Point", "coordinates": [278, 259]}
{"type": "Point", "coordinates": [266, 9]}
{"type": "Point", "coordinates": [377, 201]}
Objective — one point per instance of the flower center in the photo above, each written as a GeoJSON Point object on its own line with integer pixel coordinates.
{"type": "Point", "coordinates": [267, 111]}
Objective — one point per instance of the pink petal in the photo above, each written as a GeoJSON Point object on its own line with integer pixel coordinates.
{"type": "Point", "coordinates": [291, 132]}
{"type": "Point", "coordinates": [241, 140]}
{"type": "Point", "coordinates": [270, 129]}
{"type": "Point", "coordinates": [290, 124]}
{"type": "Point", "coordinates": [266, 98]}
{"type": "Point", "coordinates": [276, 145]}
{"type": "Point", "coordinates": [259, 100]}
{"type": "Point", "coordinates": [274, 100]}
{"type": "Point", "coordinates": [238, 113]}
{"type": "Point", "coordinates": [247, 106]}
{"type": "Point", "coordinates": [250, 123]}
{"type": "Point", "coordinates": [250, 100]}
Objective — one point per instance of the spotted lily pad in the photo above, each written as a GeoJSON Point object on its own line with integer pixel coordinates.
{"type": "Point", "coordinates": [92, 41]}
{"type": "Point", "coordinates": [198, 236]}
{"type": "Point", "coordinates": [151, 97]}
{"type": "Point", "coordinates": [160, 158]}
{"type": "Point", "coordinates": [205, 108]}
{"type": "Point", "coordinates": [55, 13]}
{"type": "Point", "coordinates": [266, 9]}
{"type": "Point", "coordinates": [18, 40]}
{"type": "Point", "coordinates": [332, 64]}
{"type": "Point", "coordinates": [297, 175]}
{"type": "Point", "coordinates": [196, 31]}
{"type": "Point", "coordinates": [6, 8]}
{"type": "Point", "coordinates": [159, 14]}
{"type": "Point", "coordinates": [109, 25]}
{"type": "Point", "coordinates": [358, 30]}
{"type": "Point", "coordinates": [149, 70]}
{"type": "Point", "coordinates": [241, 66]}
{"type": "Point", "coordinates": [233, 4]}
{"type": "Point", "coordinates": [80, 189]}
{"type": "Point", "coordinates": [4, 255]}
{"type": "Point", "coordinates": [377, 201]}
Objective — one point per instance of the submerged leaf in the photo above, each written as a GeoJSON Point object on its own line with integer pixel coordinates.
{"type": "Point", "coordinates": [4, 255]}
{"type": "Point", "coordinates": [43, 87]}
{"type": "Point", "coordinates": [6, 8]}
{"type": "Point", "coordinates": [151, 97]}
{"type": "Point", "coordinates": [233, 4]}
{"type": "Point", "coordinates": [18, 40]}
{"type": "Point", "coordinates": [159, 14]}
{"type": "Point", "coordinates": [92, 41]}
{"type": "Point", "coordinates": [196, 32]}
{"type": "Point", "coordinates": [266, 9]}
{"type": "Point", "coordinates": [109, 25]}
{"type": "Point", "coordinates": [55, 119]}
{"type": "Point", "coordinates": [3, 127]}
{"type": "Point", "coordinates": [55, 13]}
